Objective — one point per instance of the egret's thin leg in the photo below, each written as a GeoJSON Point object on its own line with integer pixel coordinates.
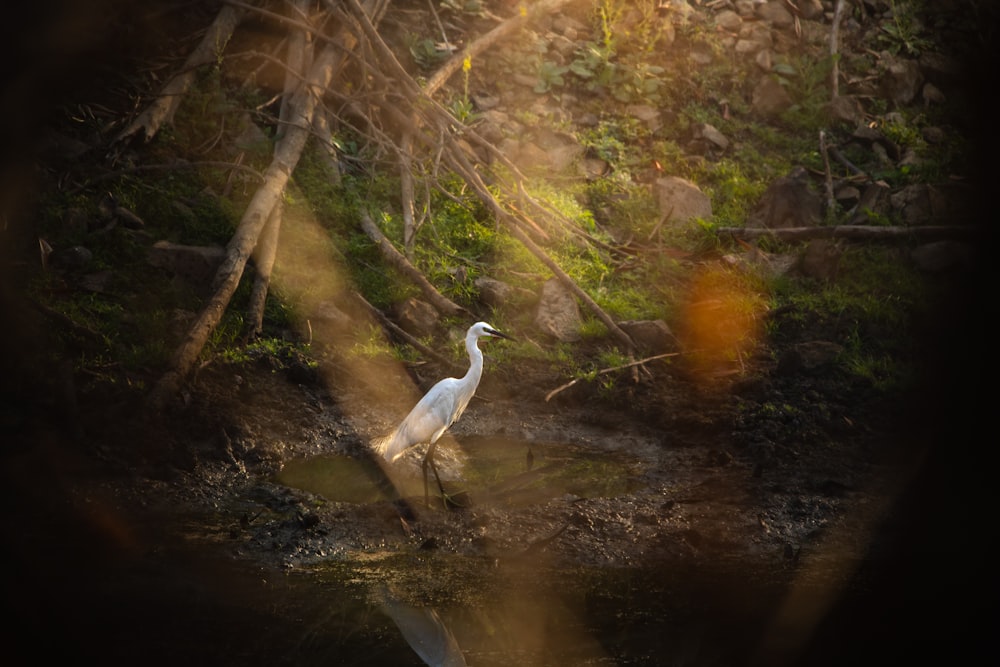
{"type": "Point", "coordinates": [429, 460]}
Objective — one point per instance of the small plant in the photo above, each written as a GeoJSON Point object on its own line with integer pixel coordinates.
{"type": "Point", "coordinates": [807, 81]}
{"type": "Point", "coordinates": [426, 54]}
{"type": "Point", "coordinates": [550, 75]}
{"type": "Point", "coordinates": [462, 108]}
{"type": "Point", "coordinates": [903, 33]}
{"type": "Point", "coordinates": [639, 83]}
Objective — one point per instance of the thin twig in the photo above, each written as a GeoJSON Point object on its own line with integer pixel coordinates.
{"type": "Point", "coordinates": [834, 48]}
{"type": "Point", "coordinates": [831, 203]}
{"type": "Point", "coordinates": [604, 371]}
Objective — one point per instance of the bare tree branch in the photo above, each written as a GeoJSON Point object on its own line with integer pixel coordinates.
{"type": "Point", "coordinates": [162, 110]}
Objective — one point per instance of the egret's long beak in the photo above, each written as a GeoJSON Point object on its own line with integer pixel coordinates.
{"type": "Point", "coordinates": [494, 332]}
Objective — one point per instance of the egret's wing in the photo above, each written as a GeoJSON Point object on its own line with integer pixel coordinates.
{"type": "Point", "coordinates": [432, 415]}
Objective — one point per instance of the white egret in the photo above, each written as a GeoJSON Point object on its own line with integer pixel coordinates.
{"type": "Point", "coordinates": [439, 408]}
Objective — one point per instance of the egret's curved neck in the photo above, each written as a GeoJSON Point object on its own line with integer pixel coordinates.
{"type": "Point", "coordinates": [475, 360]}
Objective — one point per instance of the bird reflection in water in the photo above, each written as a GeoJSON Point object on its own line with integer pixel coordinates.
{"type": "Point", "coordinates": [423, 630]}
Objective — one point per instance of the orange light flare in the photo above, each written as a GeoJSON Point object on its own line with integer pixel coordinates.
{"type": "Point", "coordinates": [722, 318]}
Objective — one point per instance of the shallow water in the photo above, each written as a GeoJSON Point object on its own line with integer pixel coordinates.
{"type": "Point", "coordinates": [489, 471]}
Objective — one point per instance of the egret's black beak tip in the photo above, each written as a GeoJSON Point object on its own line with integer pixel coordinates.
{"type": "Point", "coordinates": [494, 332]}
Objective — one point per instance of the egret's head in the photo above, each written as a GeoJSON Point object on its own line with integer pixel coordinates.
{"type": "Point", "coordinates": [483, 329]}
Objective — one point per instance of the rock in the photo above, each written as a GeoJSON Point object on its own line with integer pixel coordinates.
{"type": "Point", "coordinates": [73, 258]}
{"type": "Point", "coordinates": [99, 281]}
{"type": "Point", "coordinates": [940, 69]}
{"type": "Point", "coordinates": [196, 265]}
{"type": "Point", "coordinates": [493, 292]}
{"type": "Point", "coordinates": [558, 314]}
{"type": "Point", "coordinates": [808, 356]}
{"type": "Point", "coordinates": [648, 115]}
{"type": "Point", "coordinates": [770, 98]}
{"type": "Point", "coordinates": [775, 13]}
{"type": "Point", "coordinates": [416, 317]}
{"type": "Point", "coordinates": [681, 199]}
{"type": "Point", "coordinates": [330, 313]}
{"type": "Point", "coordinates": [931, 94]}
{"type": "Point", "coordinates": [707, 138]}
{"type": "Point", "coordinates": [847, 196]}
{"type": "Point", "coordinates": [650, 336]}
{"type": "Point", "coordinates": [550, 151]}
{"type": "Point", "coordinates": [788, 202]}
{"type": "Point", "coordinates": [933, 134]}
{"type": "Point", "coordinates": [921, 204]}
{"type": "Point", "coordinates": [901, 79]}
{"type": "Point", "coordinates": [811, 10]}
{"type": "Point", "coordinates": [728, 20]}
{"type": "Point", "coordinates": [845, 109]}
{"type": "Point", "coordinates": [820, 260]}
{"type": "Point", "coordinates": [745, 8]}
{"type": "Point", "coordinates": [943, 255]}
{"type": "Point", "coordinates": [874, 201]}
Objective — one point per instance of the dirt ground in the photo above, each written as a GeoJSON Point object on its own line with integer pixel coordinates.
{"type": "Point", "coordinates": [837, 494]}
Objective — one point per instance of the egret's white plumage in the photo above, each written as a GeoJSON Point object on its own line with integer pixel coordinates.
{"type": "Point", "coordinates": [440, 407]}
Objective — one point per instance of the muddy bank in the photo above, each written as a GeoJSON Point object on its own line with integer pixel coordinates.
{"type": "Point", "coordinates": [209, 534]}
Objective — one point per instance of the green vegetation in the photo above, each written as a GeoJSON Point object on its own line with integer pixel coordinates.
{"type": "Point", "coordinates": [869, 309]}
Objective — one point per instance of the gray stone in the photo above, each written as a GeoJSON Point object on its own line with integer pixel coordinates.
{"type": "Point", "coordinates": [417, 317]}
{"type": "Point", "coordinates": [770, 98]}
{"type": "Point", "coordinates": [788, 202]}
{"type": "Point", "coordinates": [493, 292]}
{"type": "Point", "coordinates": [681, 199]}
{"type": "Point", "coordinates": [558, 314]}
{"type": "Point", "coordinates": [901, 78]}
{"type": "Point", "coordinates": [196, 265]}
{"type": "Point", "coordinates": [650, 336]}
{"type": "Point", "coordinates": [728, 20]}
{"type": "Point", "coordinates": [775, 13]}
{"type": "Point", "coordinates": [820, 260]}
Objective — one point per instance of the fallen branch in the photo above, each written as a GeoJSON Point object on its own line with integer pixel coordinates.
{"type": "Point", "coordinates": [441, 303]}
{"type": "Point", "coordinates": [286, 155]}
{"type": "Point", "coordinates": [264, 254]}
{"type": "Point", "coordinates": [162, 110]}
{"type": "Point", "coordinates": [299, 59]}
{"type": "Point", "coordinates": [604, 371]}
{"type": "Point", "coordinates": [401, 334]}
{"type": "Point", "coordinates": [855, 233]}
